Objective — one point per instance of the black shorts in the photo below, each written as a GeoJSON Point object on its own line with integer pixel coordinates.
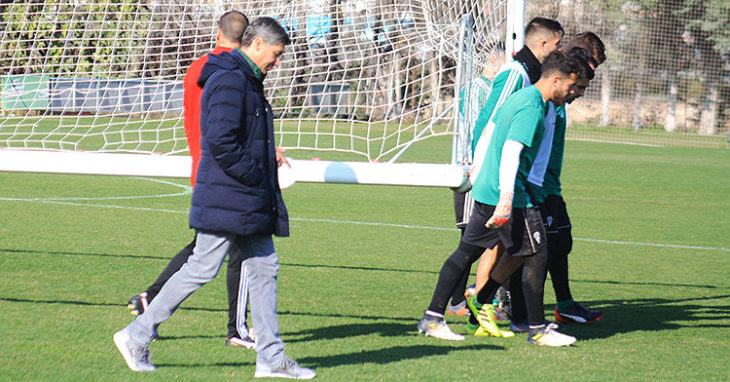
{"type": "Point", "coordinates": [523, 235]}
{"type": "Point", "coordinates": [557, 225]}
{"type": "Point", "coordinates": [555, 214]}
{"type": "Point", "coordinates": [463, 204]}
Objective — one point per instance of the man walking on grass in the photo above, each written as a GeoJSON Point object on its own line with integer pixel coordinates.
{"type": "Point", "coordinates": [237, 204]}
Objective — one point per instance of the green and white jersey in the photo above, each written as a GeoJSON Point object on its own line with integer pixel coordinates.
{"type": "Point", "coordinates": [470, 106]}
{"type": "Point", "coordinates": [512, 77]}
{"type": "Point", "coordinates": [520, 119]}
{"type": "Point", "coordinates": [545, 173]}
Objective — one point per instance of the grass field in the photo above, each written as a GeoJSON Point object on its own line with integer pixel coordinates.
{"type": "Point", "coordinates": [652, 250]}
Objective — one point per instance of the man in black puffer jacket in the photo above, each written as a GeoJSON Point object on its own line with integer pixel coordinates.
{"type": "Point", "coordinates": [237, 204]}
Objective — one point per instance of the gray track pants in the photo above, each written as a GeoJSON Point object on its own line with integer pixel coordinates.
{"type": "Point", "coordinates": [260, 264]}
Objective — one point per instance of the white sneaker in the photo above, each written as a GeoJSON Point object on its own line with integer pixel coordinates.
{"type": "Point", "coordinates": [547, 335]}
{"type": "Point", "coordinates": [137, 357]}
{"type": "Point", "coordinates": [436, 327]}
{"type": "Point", "coordinates": [286, 369]}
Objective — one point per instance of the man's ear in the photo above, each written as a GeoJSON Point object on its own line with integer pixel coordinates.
{"type": "Point", "coordinates": [258, 43]}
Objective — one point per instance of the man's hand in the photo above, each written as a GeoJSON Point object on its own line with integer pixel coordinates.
{"type": "Point", "coordinates": [280, 158]}
{"type": "Point", "coordinates": [502, 211]}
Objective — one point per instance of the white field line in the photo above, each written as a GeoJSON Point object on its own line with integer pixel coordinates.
{"type": "Point", "coordinates": [187, 190]}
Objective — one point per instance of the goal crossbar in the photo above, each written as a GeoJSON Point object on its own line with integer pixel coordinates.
{"type": "Point", "coordinates": [179, 166]}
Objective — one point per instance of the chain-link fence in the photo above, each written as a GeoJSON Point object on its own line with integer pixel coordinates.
{"type": "Point", "coordinates": [666, 79]}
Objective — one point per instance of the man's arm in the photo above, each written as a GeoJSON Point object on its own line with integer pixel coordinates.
{"type": "Point", "coordinates": [508, 167]}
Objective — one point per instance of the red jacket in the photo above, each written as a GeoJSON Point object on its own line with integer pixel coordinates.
{"type": "Point", "coordinates": [191, 107]}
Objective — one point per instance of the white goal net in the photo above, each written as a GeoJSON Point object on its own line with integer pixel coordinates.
{"type": "Point", "coordinates": [362, 78]}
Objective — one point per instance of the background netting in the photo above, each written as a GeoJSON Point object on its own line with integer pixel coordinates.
{"type": "Point", "coordinates": [364, 77]}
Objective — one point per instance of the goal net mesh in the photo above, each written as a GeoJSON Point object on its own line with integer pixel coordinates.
{"type": "Point", "coordinates": [362, 77]}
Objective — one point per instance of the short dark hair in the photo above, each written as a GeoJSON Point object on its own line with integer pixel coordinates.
{"type": "Point", "coordinates": [585, 59]}
{"type": "Point", "coordinates": [268, 29]}
{"type": "Point", "coordinates": [232, 24]}
{"type": "Point", "coordinates": [559, 62]}
{"type": "Point", "coordinates": [590, 42]}
{"type": "Point", "coordinates": [543, 25]}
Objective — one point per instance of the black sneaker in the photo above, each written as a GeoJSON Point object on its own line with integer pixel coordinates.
{"type": "Point", "coordinates": [138, 304]}
{"type": "Point", "coordinates": [577, 314]}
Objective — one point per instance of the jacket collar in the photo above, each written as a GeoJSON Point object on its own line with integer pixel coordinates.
{"type": "Point", "coordinates": [254, 68]}
{"type": "Point", "coordinates": [533, 67]}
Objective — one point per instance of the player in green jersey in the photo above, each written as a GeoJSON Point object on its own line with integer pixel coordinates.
{"type": "Point", "coordinates": [517, 135]}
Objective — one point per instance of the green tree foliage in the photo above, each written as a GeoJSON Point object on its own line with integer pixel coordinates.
{"type": "Point", "coordinates": [61, 37]}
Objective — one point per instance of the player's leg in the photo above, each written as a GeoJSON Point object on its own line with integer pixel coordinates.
{"type": "Point", "coordinates": [139, 302]}
{"type": "Point", "coordinates": [560, 243]}
{"type": "Point", "coordinates": [486, 264]}
{"type": "Point", "coordinates": [432, 323]}
{"type": "Point", "coordinates": [518, 308]}
{"type": "Point", "coordinates": [483, 312]}
{"type": "Point", "coordinates": [236, 285]}
{"type": "Point", "coordinates": [534, 245]}
{"type": "Point", "coordinates": [462, 209]}
{"type": "Point", "coordinates": [457, 304]}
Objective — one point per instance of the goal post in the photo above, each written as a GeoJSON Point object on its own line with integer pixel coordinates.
{"type": "Point", "coordinates": [96, 87]}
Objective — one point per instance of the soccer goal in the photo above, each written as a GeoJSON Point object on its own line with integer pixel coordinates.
{"type": "Point", "coordinates": [95, 87]}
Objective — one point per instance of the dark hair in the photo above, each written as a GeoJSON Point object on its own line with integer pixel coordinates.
{"type": "Point", "coordinates": [232, 24]}
{"type": "Point", "coordinates": [585, 59]}
{"type": "Point", "coordinates": [268, 29]}
{"type": "Point", "coordinates": [590, 42]}
{"type": "Point", "coordinates": [558, 62]}
{"type": "Point", "coordinates": [543, 25]}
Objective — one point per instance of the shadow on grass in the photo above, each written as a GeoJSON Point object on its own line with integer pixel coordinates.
{"type": "Point", "coordinates": [653, 315]}
{"type": "Point", "coordinates": [212, 364]}
{"type": "Point", "coordinates": [387, 355]}
{"type": "Point", "coordinates": [385, 329]}
{"type": "Point", "coordinates": [168, 258]}
{"type": "Point", "coordinates": [339, 267]}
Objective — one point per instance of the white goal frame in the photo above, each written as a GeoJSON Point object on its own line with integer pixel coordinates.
{"type": "Point", "coordinates": [409, 174]}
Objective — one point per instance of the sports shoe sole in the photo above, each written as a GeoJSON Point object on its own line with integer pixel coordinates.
{"type": "Point", "coordinates": [237, 342]}
{"type": "Point", "coordinates": [568, 318]}
{"type": "Point", "coordinates": [267, 374]}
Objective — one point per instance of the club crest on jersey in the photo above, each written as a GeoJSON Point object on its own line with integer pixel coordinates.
{"type": "Point", "coordinates": [537, 237]}
{"type": "Point", "coordinates": [549, 221]}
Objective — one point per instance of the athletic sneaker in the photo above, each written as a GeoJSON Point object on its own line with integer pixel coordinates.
{"type": "Point", "coordinates": [577, 314]}
{"type": "Point", "coordinates": [470, 291]}
{"type": "Point", "coordinates": [519, 327]}
{"type": "Point", "coordinates": [485, 317]}
{"type": "Point", "coordinates": [246, 342]}
{"type": "Point", "coordinates": [524, 327]}
{"type": "Point", "coordinates": [285, 369]}
{"type": "Point", "coordinates": [499, 314]}
{"type": "Point", "coordinates": [436, 327]}
{"type": "Point", "coordinates": [459, 309]}
{"type": "Point", "coordinates": [138, 304]}
{"type": "Point", "coordinates": [137, 357]}
{"type": "Point", "coordinates": [478, 331]}
{"type": "Point", "coordinates": [503, 300]}
{"type": "Point", "coordinates": [547, 335]}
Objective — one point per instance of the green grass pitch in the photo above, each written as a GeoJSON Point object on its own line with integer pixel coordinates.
{"type": "Point", "coordinates": [652, 250]}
